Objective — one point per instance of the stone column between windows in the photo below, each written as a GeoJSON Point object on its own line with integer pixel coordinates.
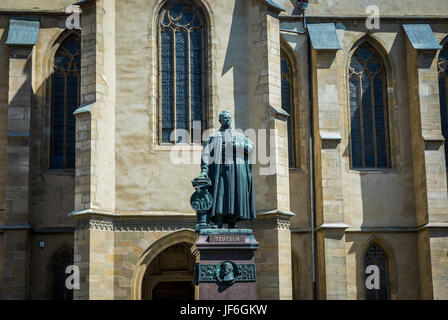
{"type": "Point", "coordinates": [95, 151]}
{"type": "Point", "coordinates": [429, 172]}
{"type": "Point", "coordinates": [330, 235]}
{"type": "Point", "coordinates": [16, 227]}
{"type": "Point", "coordinates": [273, 258]}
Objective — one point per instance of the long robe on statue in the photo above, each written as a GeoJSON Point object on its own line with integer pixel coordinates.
{"type": "Point", "coordinates": [229, 169]}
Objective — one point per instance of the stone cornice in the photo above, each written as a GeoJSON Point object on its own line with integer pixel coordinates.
{"type": "Point", "coordinates": [356, 18]}
{"type": "Point", "coordinates": [165, 221]}
{"type": "Point", "coordinates": [53, 230]}
{"type": "Point", "coordinates": [332, 226]}
{"type": "Point", "coordinates": [269, 219]}
{"type": "Point", "coordinates": [433, 225]}
{"type": "Point", "coordinates": [381, 229]}
{"type": "Point", "coordinates": [272, 6]}
{"type": "Point", "coordinates": [300, 229]}
{"type": "Point", "coordinates": [15, 227]}
{"type": "Point", "coordinates": [86, 108]}
{"type": "Point", "coordinates": [110, 223]}
{"type": "Point", "coordinates": [278, 114]}
{"type": "Point", "coordinates": [131, 214]}
{"type": "Point", "coordinates": [331, 136]}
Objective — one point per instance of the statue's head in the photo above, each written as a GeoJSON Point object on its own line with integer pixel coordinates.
{"type": "Point", "coordinates": [226, 272]}
{"type": "Point", "coordinates": [227, 268]}
{"type": "Point", "coordinates": [225, 118]}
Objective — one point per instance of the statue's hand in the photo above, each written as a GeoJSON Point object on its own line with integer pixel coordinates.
{"type": "Point", "coordinates": [203, 175]}
{"type": "Point", "coordinates": [201, 181]}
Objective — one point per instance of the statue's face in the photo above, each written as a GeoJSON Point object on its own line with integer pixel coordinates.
{"type": "Point", "coordinates": [225, 119]}
{"type": "Point", "coordinates": [227, 268]}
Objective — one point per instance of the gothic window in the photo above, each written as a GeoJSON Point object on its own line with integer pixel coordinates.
{"type": "Point", "coordinates": [369, 135]}
{"type": "Point", "coordinates": [181, 71]}
{"type": "Point", "coordinates": [60, 291]}
{"type": "Point", "coordinates": [376, 256]}
{"type": "Point", "coordinates": [443, 92]}
{"type": "Point", "coordinates": [288, 104]}
{"type": "Point", "coordinates": [65, 100]}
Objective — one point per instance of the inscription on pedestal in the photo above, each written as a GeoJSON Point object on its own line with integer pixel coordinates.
{"type": "Point", "coordinates": [227, 238]}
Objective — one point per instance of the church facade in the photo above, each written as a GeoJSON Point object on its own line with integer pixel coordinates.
{"type": "Point", "coordinates": [101, 124]}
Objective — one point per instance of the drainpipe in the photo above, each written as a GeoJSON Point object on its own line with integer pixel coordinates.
{"type": "Point", "coordinates": [312, 175]}
{"type": "Point", "coordinates": [304, 5]}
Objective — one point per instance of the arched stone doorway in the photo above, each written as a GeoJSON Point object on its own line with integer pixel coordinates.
{"type": "Point", "coordinates": [60, 260]}
{"type": "Point", "coordinates": [170, 275]}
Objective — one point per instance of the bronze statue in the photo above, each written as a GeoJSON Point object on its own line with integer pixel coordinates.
{"type": "Point", "coordinates": [224, 189]}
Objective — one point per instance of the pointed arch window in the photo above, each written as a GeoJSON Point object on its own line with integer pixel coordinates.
{"type": "Point", "coordinates": [287, 92]}
{"type": "Point", "coordinates": [443, 93]}
{"type": "Point", "coordinates": [65, 100]}
{"type": "Point", "coordinates": [376, 256]}
{"type": "Point", "coordinates": [369, 124]}
{"type": "Point", "coordinates": [181, 71]}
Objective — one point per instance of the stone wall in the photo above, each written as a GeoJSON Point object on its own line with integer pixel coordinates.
{"type": "Point", "coordinates": [403, 208]}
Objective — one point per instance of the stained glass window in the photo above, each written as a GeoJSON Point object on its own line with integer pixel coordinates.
{"type": "Point", "coordinates": [182, 77]}
{"type": "Point", "coordinates": [376, 256]}
{"type": "Point", "coordinates": [443, 92]}
{"type": "Point", "coordinates": [288, 103]}
{"type": "Point", "coordinates": [65, 100]}
{"type": "Point", "coordinates": [369, 135]}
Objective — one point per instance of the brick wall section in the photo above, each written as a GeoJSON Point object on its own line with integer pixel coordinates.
{"type": "Point", "coordinates": [95, 138]}
{"type": "Point", "coordinates": [329, 193]}
{"type": "Point", "coordinates": [273, 258]}
{"type": "Point", "coordinates": [16, 247]}
{"type": "Point", "coordinates": [15, 264]}
{"type": "Point", "coordinates": [332, 270]}
{"type": "Point", "coordinates": [438, 242]}
{"type": "Point", "coordinates": [428, 147]}
{"type": "Point", "coordinates": [328, 164]}
{"type": "Point", "coordinates": [84, 124]}
{"type": "Point", "coordinates": [429, 172]}
{"type": "Point", "coordinates": [81, 260]}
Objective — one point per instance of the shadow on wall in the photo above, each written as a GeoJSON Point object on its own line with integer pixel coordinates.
{"type": "Point", "coordinates": [51, 196]}
{"type": "Point", "coordinates": [237, 60]}
{"type": "Point", "coordinates": [52, 192]}
{"type": "Point", "coordinates": [387, 193]}
{"type": "Point", "coordinates": [4, 89]}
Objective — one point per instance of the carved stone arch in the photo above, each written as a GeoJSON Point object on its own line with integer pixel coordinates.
{"type": "Point", "coordinates": [62, 248]}
{"type": "Point", "coordinates": [444, 43]}
{"type": "Point", "coordinates": [391, 102]}
{"type": "Point", "coordinates": [392, 275]}
{"type": "Point", "coordinates": [203, 5]}
{"type": "Point", "coordinates": [181, 236]}
{"type": "Point", "coordinates": [48, 64]}
{"type": "Point", "coordinates": [377, 45]}
{"type": "Point", "coordinates": [55, 42]}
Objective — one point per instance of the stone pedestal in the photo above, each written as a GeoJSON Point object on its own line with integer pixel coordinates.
{"type": "Point", "coordinates": [226, 269]}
